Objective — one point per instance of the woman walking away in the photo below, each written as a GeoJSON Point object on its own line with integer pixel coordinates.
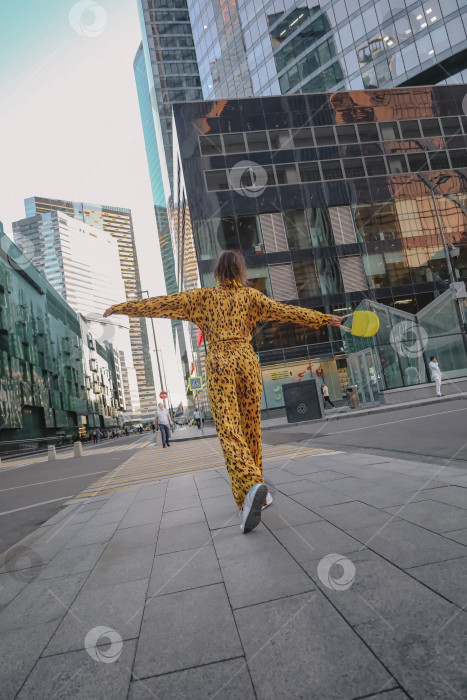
{"type": "Point", "coordinates": [227, 315]}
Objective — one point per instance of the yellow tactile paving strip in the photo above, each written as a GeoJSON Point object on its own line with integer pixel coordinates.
{"type": "Point", "coordinates": [154, 463]}
{"type": "Point", "coordinates": [18, 462]}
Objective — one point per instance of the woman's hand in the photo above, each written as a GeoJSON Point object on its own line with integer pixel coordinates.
{"type": "Point", "coordinates": [336, 321]}
{"type": "Point", "coordinates": [108, 312]}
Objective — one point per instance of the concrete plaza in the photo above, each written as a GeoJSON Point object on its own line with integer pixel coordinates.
{"type": "Point", "coordinates": [354, 586]}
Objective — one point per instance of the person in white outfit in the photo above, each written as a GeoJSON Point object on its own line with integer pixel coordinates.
{"type": "Point", "coordinates": [436, 374]}
{"type": "Point", "coordinates": [162, 422]}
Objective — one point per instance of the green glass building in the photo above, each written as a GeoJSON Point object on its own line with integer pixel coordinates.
{"type": "Point", "coordinates": [42, 378]}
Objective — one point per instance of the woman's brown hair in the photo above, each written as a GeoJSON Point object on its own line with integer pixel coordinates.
{"type": "Point", "coordinates": [230, 267]}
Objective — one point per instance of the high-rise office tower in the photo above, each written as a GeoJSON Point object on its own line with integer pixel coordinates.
{"type": "Point", "coordinates": [248, 48]}
{"type": "Point", "coordinates": [157, 165]}
{"type": "Point", "coordinates": [166, 71]}
{"type": "Point", "coordinates": [359, 208]}
{"type": "Point", "coordinates": [118, 222]}
{"type": "Point", "coordinates": [170, 57]}
{"type": "Point", "coordinates": [82, 263]}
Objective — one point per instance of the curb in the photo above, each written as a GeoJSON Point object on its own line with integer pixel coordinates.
{"type": "Point", "coordinates": [347, 414]}
{"type": "Point", "coordinates": [373, 411]}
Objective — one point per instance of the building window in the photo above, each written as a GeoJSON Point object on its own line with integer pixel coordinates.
{"type": "Point", "coordinates": [227, 235]}
{"type": "Point", "coordinates": [410, 129]}
{"type": "Point", "coordinates": [210, 145]}
{"type": "Point", "coordinates": [319, 223]}
{"type": "Point", "coordinates": [258, 278]}
{"type": "Point", "coordinates": [257, 141]}
{"type": "Point", "coordinates": [367, 132]}
{"type": "Point", "coordinates": [397, 164]}
{"type": "Point", "coordinates": [417, 162]}
{"type": "Point", "coordinates": [451, 126]}
{"type": "Point", "coordinates": [458, 158]}
{"type": "Point", "coordinates": [430, 127]}
{"type": "Point", "coordinates": [296, 227]}
{"type": "Point", "coordinates": [286, 174]}
{"type": "Point", "coordinates": [375, 165]}
{"type": "Point", "coordinates": [216, 180]}
{"type": "Point", "coordinates": [439, 160]}
{"type": "Point", "coordinates": [280, 139]}
{"type": "Point", "coordinates": [353, 167]}
{"type": "Point", "coordinates": [249, 233]}
{"type": "Point", "coordinates": [234, 143]}
{"type": "Point", "coordinates": [309, 172]}
{"type": "Point", "coordinates": [306, 279]}
{"type": "Point", "coordinates": [324, 136]}
{"type": "Point", "coordinates": [346, 133]}
{"type": "Point", "coordinates": [331, 169]}
{"type": "Point", "coordinates": [377, 223]}
{"type": "Point", "coordinates": [303, 138]}
{"type": "Point", "coordinates": [389, 131]}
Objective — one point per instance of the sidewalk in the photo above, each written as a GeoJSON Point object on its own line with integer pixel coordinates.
{"type": "Point", "coordinates": [352, 587]}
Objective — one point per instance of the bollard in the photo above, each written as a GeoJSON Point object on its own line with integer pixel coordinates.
{"type": "Point", "coordinates": [78, 449]}
{"type": "Point", "coordinates": [51, 453]}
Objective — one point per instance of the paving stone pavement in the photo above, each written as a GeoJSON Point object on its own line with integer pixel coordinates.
{"type": "Point", "coordinates": [353, 586]}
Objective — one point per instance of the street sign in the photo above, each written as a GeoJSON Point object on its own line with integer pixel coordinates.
{"type": "Point", "coordinates": [163, 394]}
{"type": "Point", "coordinates": [196, 383]}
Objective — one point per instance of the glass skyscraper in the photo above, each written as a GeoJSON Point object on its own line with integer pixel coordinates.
{"type": "Point", "coordinates": [166, 70]}
{"type": "Point", "coordinates": [271, 47]}
{"type": "Point", "coordinates": [82, 263]}
{"type": "Point", "coordinates": [118, 222]}
{"type": "Point", "coordinates": [168, 49]}
{"type": "Point", "coordinates": [324, 195]}
{"type": "Point", "coordinates": [54, 378]}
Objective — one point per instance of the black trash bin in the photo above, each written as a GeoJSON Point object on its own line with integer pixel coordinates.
{"type": "Point", "coordinates": [303, 401]}
{"type": "Point", "coordinates": [352, 395]}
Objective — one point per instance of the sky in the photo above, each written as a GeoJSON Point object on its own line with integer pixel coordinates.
{"type": "Point", "coordinates": [70, 125]}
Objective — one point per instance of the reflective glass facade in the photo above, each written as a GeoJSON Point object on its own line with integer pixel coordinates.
{"type": "Point", "coordinates": [269, 47]}
{"type": "Point", "coordinates": [157, 168]}
{"type": "Point", "coordinates": [398, 355]}
{"type": "Point", "coordinates": [82, 263]}
{"type": "Point", "coordinates": [166, 70]}
{"type": "Point", "coordinates": [322, 194]}
{"type": "Point", "coordinates": [52, 382]}
{"type": "Point", "coordinates": [169, 51]}
{"type": "Point", "coordinates": [118, 222]}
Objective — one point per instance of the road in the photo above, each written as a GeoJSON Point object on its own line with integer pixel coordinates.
{"type": "Point", "coordinates": [436, 433]}
{"type": "Point", "coordinates": [33, 493]}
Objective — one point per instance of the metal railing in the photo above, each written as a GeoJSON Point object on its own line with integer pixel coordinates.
{"type": "Point", "coordinates": [19, 448]}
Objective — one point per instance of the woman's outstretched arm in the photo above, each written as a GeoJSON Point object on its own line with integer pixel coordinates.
{"type": "Point", "coordinates": [177, 306]}
{"type": "Point", "coordinates": [270, 310]}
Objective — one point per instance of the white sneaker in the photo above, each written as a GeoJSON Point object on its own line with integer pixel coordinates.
{"type": "Point", "coordinates": [252, 505]}
{"type": "Point", "coordinates": [269, 500]}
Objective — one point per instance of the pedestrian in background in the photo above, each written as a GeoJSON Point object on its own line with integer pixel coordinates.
{"type": "Point", "coordinates": [197, 417]}
{"type": "Point", "coordinates": [227, 315]}
{"type": "Point", "coordinates": [436, 374]}
{"type": "Point", "coordinates": [163, 422]}
{"type": "Point", "coordinates": [326, 398]}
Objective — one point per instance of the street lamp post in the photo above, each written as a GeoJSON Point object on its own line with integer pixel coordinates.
{"type": "Point", "coordinates": [434, 189]}
{"type": "Point", "coordinates": [166, 384]}
{"type": "Point", "coordinates": [157, 351]}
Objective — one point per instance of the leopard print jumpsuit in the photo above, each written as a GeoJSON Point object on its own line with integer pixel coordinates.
{"type": "Point", "coordinates": [227, 315]}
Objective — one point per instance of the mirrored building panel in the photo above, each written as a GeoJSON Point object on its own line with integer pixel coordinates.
{"type": "Point", "coordinates": [269, 47]}
{"type": "Point", "coordinates": [329, 198]}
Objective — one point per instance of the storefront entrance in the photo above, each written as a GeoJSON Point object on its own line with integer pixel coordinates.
{"type": "Point", "coordinates": [365, 373]}
{"type": "Point", "coordinates": [332, 370]}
